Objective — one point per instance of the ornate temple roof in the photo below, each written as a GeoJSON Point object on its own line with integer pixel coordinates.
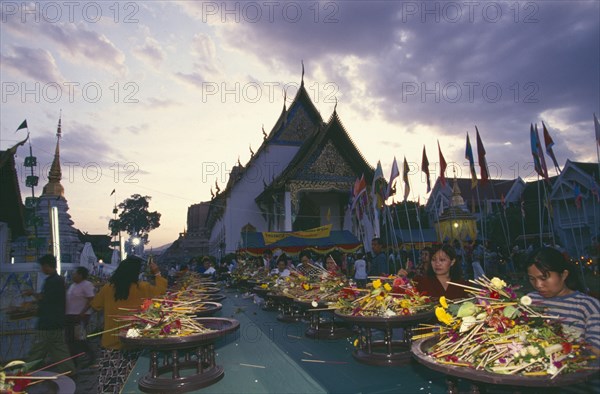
{"type": "Point", "coordinates": [53, 187]}
{"type": "Point", "coordinates": [328, 155]}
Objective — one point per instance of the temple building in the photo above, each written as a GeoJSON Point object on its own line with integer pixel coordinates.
{"type": "Point", "coordinates": [53, 195]}
{"type": "Point", "coordinates": [299, 178]}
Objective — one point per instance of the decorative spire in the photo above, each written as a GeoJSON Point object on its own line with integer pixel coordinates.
{"type": "Point", "coordinates": [457, 200]}
{"type": "Point", "coordinates": [335, 106]}
{"type": "Point", "coordinates": [264, 133]}
{"type": "Point", "coordinates": [302, 78]}
{"type": "Point", "coordinates": [251, 152]}
{"type": "Point", "coordinates": [53, 187]}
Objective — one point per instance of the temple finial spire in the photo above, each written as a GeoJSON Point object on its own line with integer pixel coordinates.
{"type": "Point", "coordinates": [302, 78]}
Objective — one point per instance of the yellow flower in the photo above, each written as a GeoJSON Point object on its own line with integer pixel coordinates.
{"type": "Point", "coordinates": [404, 304]}
{"type": "Point", "coordinates": [498, 283]}
{"type": "Point", "coordinates": [306, 286]}
{"type": "Point", "coordinates": [356, 342]}
{"type": "Point", "coordinates": [379, 298]}
{"type": "Point", "coordinates": [443, 302]}
{"type": "Point", "coordinates": [264, 286]}
{"type": "Point", "coordinates": [376, 284]}
{"type": "Point", "coordinates": [387, 287]}
{"type": "Point", "coordinates": [157, 304]}
{"type": "Point", "coordinates": [443, 316]}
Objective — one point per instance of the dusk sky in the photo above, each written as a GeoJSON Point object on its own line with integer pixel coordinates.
{"type": "Point", "coordinates": [161, 98]}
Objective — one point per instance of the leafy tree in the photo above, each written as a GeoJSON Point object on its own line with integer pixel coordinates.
{"type": "Point", "coordinates": [135, 219]}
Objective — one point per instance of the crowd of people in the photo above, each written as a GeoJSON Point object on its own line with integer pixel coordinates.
{"type": "Point", "coordinates": [63, 312]}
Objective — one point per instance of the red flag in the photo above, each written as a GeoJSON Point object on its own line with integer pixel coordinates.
{"type": "Point", "coordinates": [485, 175]}
{"type": "Point", "coordinates": [405, 178]}
{"type": "Point", "coordinates": [425, 169]}
{"type": "Point", "coordinates": [549, 144]}
{"type": "Point", "coordinates": [443, 166]}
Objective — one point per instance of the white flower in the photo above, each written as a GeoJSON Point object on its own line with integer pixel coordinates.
{"type": "Point", "coordinates": [314, 304]}
{"type": "Point", "coordinates": [498, 283]}
{"type": "Point", "coordinates": [286, 290]}
{"type": "Point", "coordinates": [133, 333]}
{"type": "Point", "coordinates": [552, 370]}
{"type": "Point", "coordinates": [525, 300]}
{"type": "Point", "coordinates": [389, 313]}
{"type": "Point", "coordinates": [533, 350]}
{"type": "Point", "coordinates": [467, 323]}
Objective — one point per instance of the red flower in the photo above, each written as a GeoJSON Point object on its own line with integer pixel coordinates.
{"type": "Point", "coordinates": [495, 294]}
{"type": "Point", "coordinates": [567, 347]}
{"type": "Point", "coordinates": [146, 304]}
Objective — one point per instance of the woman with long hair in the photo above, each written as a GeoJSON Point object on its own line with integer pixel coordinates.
{"type": "Point", "coordinates": [443, 268]}
{"type": "Point", "coordinates": [123, 290]}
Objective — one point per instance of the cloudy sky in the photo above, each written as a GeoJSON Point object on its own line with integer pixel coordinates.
{"type": "Point", "coordinates": [161, 98]}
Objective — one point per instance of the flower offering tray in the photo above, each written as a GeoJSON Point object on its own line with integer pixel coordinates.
{"type": "Point", "coordinates": [388, 351]}
{"type": "Point", "coordinates": [420, 347]}
{"type": "Point", "coordinates": [211, 297]}
{"type": "Point", "coordinates": [322, 323]}
{"type": "Point", "coordinates": [188, 362]}
{"type": "Point", "coordinates": [210, 308]}
{"type": "Point", "coordinates": [289, 312]}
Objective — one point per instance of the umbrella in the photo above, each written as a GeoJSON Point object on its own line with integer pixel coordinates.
{"type": "Point", "coordinates": [88, 258]}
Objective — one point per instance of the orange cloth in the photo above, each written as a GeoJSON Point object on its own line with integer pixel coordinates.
{"type": "Point", "coordinates": [105, 299]}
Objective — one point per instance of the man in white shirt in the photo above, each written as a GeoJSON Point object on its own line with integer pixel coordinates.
{"type": "Point", "coordinates": [78, 312]}
{"type": "Point", "coordinates": [360, 271]}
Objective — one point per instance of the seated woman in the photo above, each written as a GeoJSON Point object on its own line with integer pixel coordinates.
{"type": "Point", "coordinates": [331, 265]}
{"type": "Point", "coordinates": [557, 288]}
{"type": "Point", "coordinates": [281, 269]}
{"type": "Point", "coordinates": [444, 269]}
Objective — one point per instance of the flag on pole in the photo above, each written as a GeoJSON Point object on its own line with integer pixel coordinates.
{"type": "Point", "coordinates": [113, 192]}
{"type": "Point", "coordinates": [443, 166]}
{"type": "Point", "coordinates": [405, 178]}
{"type": "Point", "coordinates": [425, 169]}
{"type": "Point", "coordinates": [534, 152]}
{"type": "Point", "coordinates": [549, 143]}
{"type": "Point", "coordinates": [541, 154]}
{"type": "Point", "coordinates": [23, 125]}
{"type": "Point", "coordinates": [391, 190]}
{"type": "Point", "coordinates": [483, 167]}
{"type": "Point", "coordinates": [597, 127]}
{"type": "Point", "coordinates": [469, 156]}
{"type": "Point", "coordinates": [377, 188]}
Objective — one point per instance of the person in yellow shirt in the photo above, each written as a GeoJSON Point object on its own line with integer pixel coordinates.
{"type": "Point", "coordinates": [124, 290]}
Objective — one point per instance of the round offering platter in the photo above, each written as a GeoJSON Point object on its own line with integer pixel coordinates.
{"type": "Point", "coordinates": [386, 352]}
{"type": "Point", "coordinates": [210, 309]}
{"type": "Point", "coordinates": [192, 353]}
{"type": "Point", "coordinates": [419, 349]}
{"type": "Point", "coordinates": [289, 312]}
{"type": "Point", "coordinates": [209, 290]}
{"type": "Point", "coordinates": [323, 327]}
{"type": "Point", "coordinates": [212, 297]}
